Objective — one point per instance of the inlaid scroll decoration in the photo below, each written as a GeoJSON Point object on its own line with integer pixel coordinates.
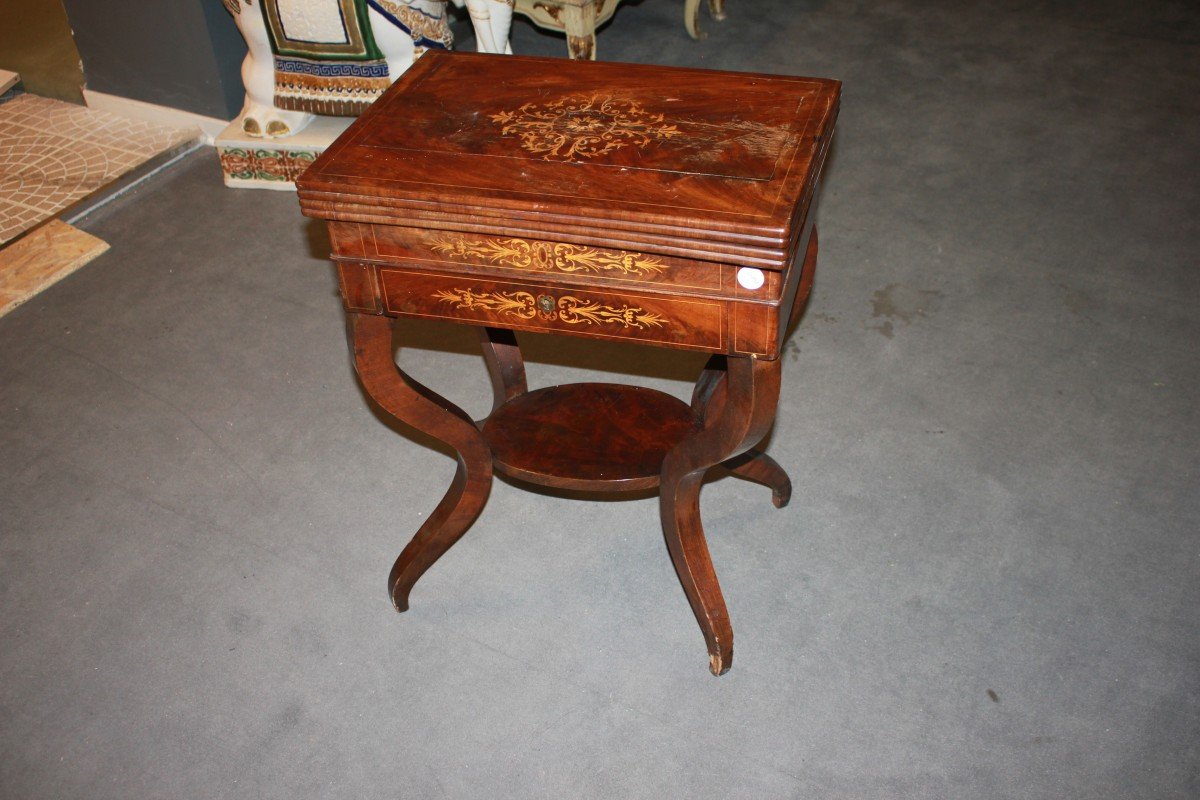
{"type": "Point", "coordinates": [549, 256]}
{"type": "Point", "coordinates": [569, 309]}
{"type": "Point", "coordinates": [581, 127]}
{"type": "Point", "coordinates": [518, 304]}
{"type": "Point", "coordinates": [574, 311]}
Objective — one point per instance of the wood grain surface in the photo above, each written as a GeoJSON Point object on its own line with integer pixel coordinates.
{"type": "Point", "coordinates": [41, 258]}
{"type": "Point", "coordinates": [592, 436]}
{"type": "Point", "coordinates": [642, 154]}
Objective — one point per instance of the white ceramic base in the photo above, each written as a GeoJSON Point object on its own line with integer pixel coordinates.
{"type": "Point", "coordinates": [250, 163]}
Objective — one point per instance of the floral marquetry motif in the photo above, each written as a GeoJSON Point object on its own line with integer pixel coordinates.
{"type": "Point", "coordinates": [580, 127]}
{"type": "Point", "coordinates": [522, 254]}
{"type": "Point", "coordinates": [519, 304]}
{"type": "Point", "coordinates": [574, 311]}
{"type": "Point", "coordinates": [569, 309]}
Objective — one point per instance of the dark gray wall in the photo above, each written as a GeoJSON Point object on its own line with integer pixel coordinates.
{"type": "Point", "coordinates": [180, 53]}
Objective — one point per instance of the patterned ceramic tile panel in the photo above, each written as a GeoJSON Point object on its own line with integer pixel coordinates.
{"type": "Point", "coordinates": [53, 154]}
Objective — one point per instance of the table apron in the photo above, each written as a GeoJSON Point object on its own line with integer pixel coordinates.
{"type": "Point", "coordinates": [713, 325]}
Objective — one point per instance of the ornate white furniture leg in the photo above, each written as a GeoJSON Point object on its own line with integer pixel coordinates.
{"type": "Point", "coordinates": [578, 19]}
{"type": "Point", "coordinates": [580, 24]}
{"type": "Point", "coordinates": [691, 15]}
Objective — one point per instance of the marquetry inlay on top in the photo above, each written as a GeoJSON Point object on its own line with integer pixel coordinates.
{"type": "Point", "coordinates": [694, 125]}
{"type": "Point", "coordinates": [579, 127]}
{"type": "Point", "coordinates": [713, 156]}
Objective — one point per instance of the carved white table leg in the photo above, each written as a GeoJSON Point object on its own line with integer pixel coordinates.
{"type": "Point", "coordinates": [580, 24]}
{"type": "Point", "coordinates": [691, 15]}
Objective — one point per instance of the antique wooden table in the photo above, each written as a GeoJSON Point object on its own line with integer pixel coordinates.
{"type": "Point", "coordinates": [664, 206]}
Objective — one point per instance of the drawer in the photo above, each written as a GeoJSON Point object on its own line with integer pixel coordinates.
{"type": "Point", "coordinates": [686, 323]}
{"type": "Point", "coordinates": [470, 252]}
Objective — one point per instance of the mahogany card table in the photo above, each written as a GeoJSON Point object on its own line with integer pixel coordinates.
{"type": "Point", "coordinates": [669, 207]}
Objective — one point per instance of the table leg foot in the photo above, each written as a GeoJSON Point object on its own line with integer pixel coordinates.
{"type": "Point", "coordinates": [691, 19]}
{"type": "Point", "coordinates": [735, 410]}
{"type": "Point", "coordinates": [461, 505]}
{"type": "Point", "coordinates": [415, 405]}
{"type": "Point", "coordinates": [759, 467]}
{"type": "Point", "coordinates": [691, 16]}
{"type": "Point", "coordinates": [680, 508]}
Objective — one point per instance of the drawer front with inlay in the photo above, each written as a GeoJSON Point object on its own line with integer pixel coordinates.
{"type": "Point", "coordinates": [686, 323]}
{"type": "Point", "coordinates": [477, 251]}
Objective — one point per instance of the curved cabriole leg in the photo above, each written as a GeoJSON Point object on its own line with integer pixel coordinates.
{"type": "Point", "coordinates": [413, 404]}
{"type": "Point", "coordinates": [717, 9]}
{"type": "Point", "coordinates": [754, 465]}
{"type": "Point", "coordinates": [737, 412]}
{"type": "Point", "coordinates": [505, 364]}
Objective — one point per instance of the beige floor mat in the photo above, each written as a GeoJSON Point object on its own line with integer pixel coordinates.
{"type": "Point", "coordinates": [53, 154]}
{"type": "Point", "coordinates": [43, 257]}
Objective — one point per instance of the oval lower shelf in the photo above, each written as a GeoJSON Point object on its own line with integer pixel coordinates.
{"type": "Point", "coordinates": [595, 436]}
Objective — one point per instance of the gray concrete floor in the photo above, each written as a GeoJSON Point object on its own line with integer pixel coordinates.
{"type": "Point", "coordinates": [985, 587]}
